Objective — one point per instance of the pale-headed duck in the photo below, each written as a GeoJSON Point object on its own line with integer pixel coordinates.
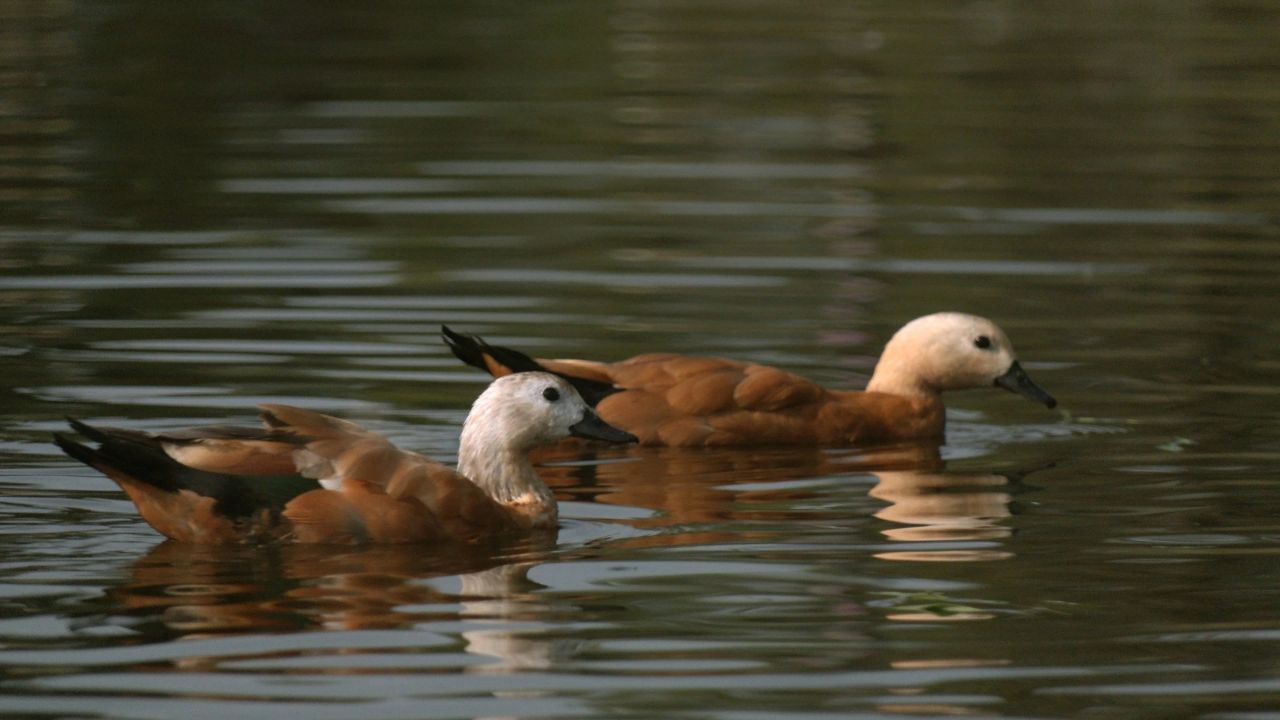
{"type": "Point", "coordinates": [312, 478]}
{"type": "Point", "coordinates": [686, 401]}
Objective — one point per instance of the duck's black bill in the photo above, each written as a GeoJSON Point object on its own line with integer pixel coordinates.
{"type": "Point", "coordinates": [1017, 380]}
{"type": "Point", "coordinates": [593, 428]}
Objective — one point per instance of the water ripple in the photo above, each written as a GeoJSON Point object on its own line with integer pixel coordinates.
{"type": "Point", "coordinates": [608, 279]}
{"type": "Point", "coordinates": [641, 169]}
{"type": "Point", "coordinates": [193, 280]}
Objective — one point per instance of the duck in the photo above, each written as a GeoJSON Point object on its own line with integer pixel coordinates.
{"type": "Point", "coordinates": [307, 477]}
{"type": "Point", "coordinates": [674, 400]}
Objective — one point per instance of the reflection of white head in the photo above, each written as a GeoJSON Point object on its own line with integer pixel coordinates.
{"type": "Point", "coordinates": [943, 507]}
{"type": "Point", "coordinates": [498, 595]}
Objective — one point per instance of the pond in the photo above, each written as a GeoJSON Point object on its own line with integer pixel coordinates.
{"type": "Point", "coordinates": [210, 206]}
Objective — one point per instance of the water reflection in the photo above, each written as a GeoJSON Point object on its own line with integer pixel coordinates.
{"type": "Point", "coordinates": [707, 486]}
{"type": "Point", "coordinates": [785, 181]}
{"type": "Point", "coordinates": [193, 590]}
{"type": "Point", "coordinates": [943, 507]}
{"type": "Point", "coordinates": [506, 594]}
{"type": "Point", "coordinates": [189, 592]}
{"type": "Point", "coordinates": [720, 498]}
{"type": "Point", "coordinates": [778, 491]}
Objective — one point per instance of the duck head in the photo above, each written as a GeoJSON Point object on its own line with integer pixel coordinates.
{"type": "Point", "coordinates": [523, 410]}
{"type": "Point", "coordinates": [952, 351]}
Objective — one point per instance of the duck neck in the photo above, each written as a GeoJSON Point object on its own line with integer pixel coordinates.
{"type": "Point", "coordinates": [906, 384]}
{"type": "Point", "coordinates": [502, 471]}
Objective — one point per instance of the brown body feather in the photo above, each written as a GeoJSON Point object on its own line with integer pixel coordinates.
{"type": "Point", "coordinates": [714, 401]}
{"type": "Point", "coordinates": [682, 400]}
{"type": "Point", "coordinates": [223, 485]}
{"type": "Point", "coordinates": [688, 401]}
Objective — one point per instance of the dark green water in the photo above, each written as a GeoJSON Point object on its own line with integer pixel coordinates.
{"type": "Point", "coordinates": [208, 206]}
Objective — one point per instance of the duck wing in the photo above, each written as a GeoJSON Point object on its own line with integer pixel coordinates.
{"type": "Point", "coordinates": [306, 477]}
{"type": "Point", "coordinates": [396, 495]}
{"type": "Point", "coordinates": [683, 400]}
{"type": "Point", "coordinates": [189, 503]}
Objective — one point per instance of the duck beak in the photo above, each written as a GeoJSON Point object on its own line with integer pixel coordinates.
{"type": "Point", "coordinates": [1016, 380]}
{"type": "Point", "coordinates": [593, 428]}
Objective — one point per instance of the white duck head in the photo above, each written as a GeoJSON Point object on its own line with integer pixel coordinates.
{"type": "Point", "coordinates": [515, 414]}
{"type": "Point", "coordinates": [952, 351]}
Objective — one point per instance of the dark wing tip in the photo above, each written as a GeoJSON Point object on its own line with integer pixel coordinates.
{"type": "Point", "coordinates": [86, 429]}
{"type": "Point", "coordinates": [467, 348]}
{"type": "Point", "coordinates": [270, 419]}
{"type": "Point", "coordinates": [474, 351]}
{"type": "Point", "coordinates": [75, 450]}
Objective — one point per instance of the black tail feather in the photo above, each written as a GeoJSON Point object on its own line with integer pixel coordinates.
{"type": "Point", "coordinates": [75, 450]}
{"type": "Point", "coordinates": [86, 430]}
{"type": "Point", "coordinates": [127, 451]}
{"type": "Point", "coordinates": [142, 458]}
{"type": "Point", "coordinates": [467, 348]}
{"type": "Point", "coordinates": [471, 349]}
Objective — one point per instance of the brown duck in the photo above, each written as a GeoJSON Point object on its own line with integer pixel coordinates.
{"type": "Point", "coordinates": [683, 400]}
{"type": "Point", "coordinates": [312, 478]}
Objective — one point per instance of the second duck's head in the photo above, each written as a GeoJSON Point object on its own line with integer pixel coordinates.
{"type": "Point", "coordinates": [524, 410]}
{"type": "Point", "coordinates": [952, 351]}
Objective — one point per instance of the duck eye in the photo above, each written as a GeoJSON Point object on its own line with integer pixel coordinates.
{"type": "Point", "coordinates": [982, 342]}
{"type": "Point", "coordinates": [551, 394]}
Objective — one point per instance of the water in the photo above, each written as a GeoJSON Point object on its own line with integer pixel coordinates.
{"type": "Point", "coordinates": [214, 206]}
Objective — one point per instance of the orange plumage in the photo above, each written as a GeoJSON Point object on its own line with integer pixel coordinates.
{"type": "Point", "coordinates": [311, 478]}
{"type": "Point", "coordinates": [681, 400]}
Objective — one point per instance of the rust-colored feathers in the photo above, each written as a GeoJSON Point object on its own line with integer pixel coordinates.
{"type": "Point", "coordinates": [681, 400]}
{"type": "Point", "coordinates": [308, 477]}
{"type": "Point", "coordinates": [218, 489]}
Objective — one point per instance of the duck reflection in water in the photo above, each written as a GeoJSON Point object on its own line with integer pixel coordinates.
{"type": "Point", "coordinates": [692, 498]}
{"type": "Point", "coordinates": [941, 507]}
{"type": "Point", "coordinates": [194, 590]}
{"type": "Point", "coordinates": [696, 491]}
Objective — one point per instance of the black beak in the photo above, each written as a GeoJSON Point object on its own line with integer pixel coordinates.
{"type": "Point", "coordinates": [593, 428]}
{"type": "Point", "coordinates": [1016, 380]}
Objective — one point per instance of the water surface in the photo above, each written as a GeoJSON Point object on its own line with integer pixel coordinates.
{"type": "Point", "coordinates": [210, 207]}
